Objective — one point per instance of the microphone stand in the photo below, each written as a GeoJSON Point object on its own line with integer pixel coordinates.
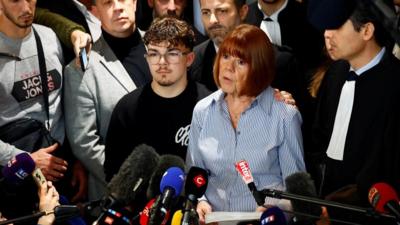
{"type": "Point", "coordinates": [283, 195]}
{"type": "Point", "coordinates": [24, 218]}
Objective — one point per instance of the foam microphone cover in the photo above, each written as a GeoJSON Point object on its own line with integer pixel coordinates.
{"type": "Point", "coordinates": [273, 216]}
{"type": "Point", "coordinates": [196, 182]}
{"type": "Point", "coordinates": [134, 175]}
{"type": "Point", "coordinates": [300, 183]}
{"type": "Point", "coordinates": [18, 168]}
{"type": "Point", "coordinates": [165, 162]}
{"type": "Point", "coordinates": [380, 194]}
{"type": "Point", "coordinates": [177, 218]}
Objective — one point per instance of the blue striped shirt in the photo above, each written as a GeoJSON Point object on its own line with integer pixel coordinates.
{"type": "Point", "coordinates": [268, 137]}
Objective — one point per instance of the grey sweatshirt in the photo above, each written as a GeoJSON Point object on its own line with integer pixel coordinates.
{"type": "Point", "coordinates": [20, 86]}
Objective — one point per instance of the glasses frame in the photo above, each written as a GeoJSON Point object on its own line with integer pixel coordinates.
{"type": "Point", "coordinates": [165, 56]}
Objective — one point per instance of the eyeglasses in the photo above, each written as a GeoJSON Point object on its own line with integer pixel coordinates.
{"type": "Point", "coordinates": [171, 57]}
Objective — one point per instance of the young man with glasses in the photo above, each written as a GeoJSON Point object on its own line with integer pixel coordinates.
{"type": "Point", "coordinates": [158, 114]}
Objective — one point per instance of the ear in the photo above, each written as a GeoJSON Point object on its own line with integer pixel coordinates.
{"type": "Point", "coordinates": [135, 2]}
{"type": "Point", "coordinates": [243, 12]}
{"type": "Point", "coordinates": [190, 59]}
{"type": "Point", "coordinates": [368, 31]}
{"type": "Point", "coordinates": [150, 3]}
{"type": "Point", "coordinates": [94, 10]}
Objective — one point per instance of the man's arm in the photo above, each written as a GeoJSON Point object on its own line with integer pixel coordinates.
{"type": "Point", "coordinates": [7, 152]}
{"type": "Point", "coordinates": [62, 26]}
{"type": "Point", "coordinates": [70, 33]}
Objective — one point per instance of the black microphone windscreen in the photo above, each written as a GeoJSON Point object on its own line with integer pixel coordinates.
{"type": "Point", "coordinates": [166, 161]}
{"type": "Point", "coordinates": [196, 182]}
{"type": "Point", "coordinates": [300, 183]}
{"type": "Point", "coordinates": [134, 174]}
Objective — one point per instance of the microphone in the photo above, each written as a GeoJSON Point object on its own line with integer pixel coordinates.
{"type": "Point", "coordinates": [17, 185]}
{"type": "Point", "coordinates": [170, 187]}
{"type": "Point", "coordinates": [165, 162]}
{"type": "Point", "coordinates": [134, 174]}
{"type": "Point", "coordinates": [195, 187]}
{"type": "Point", "coordinates": [284, 195]}
{"type": "Point", "coordinates": [18, 168]}
{"type": "Point", "coordinates": [384, 199]}
{"type": "Point", "coordinates": [273, 216]}
{"type": "Point", "coordinates": [244, 170]}
{"type": "Point", "coordinates": [131, 179]}
{"type": "Point", "coordinates": [145, 214]}
{"type": "Point", "coordinates": [177, 218]}
{"type": "Point", "coordinates": [300, 183]}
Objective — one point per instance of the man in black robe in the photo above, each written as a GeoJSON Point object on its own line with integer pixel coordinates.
{"type": "Point", "coordinates": [356, 100]}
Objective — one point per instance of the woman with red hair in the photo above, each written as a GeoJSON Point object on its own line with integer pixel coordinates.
{"type": "Point", "coordinates": [242, 120]}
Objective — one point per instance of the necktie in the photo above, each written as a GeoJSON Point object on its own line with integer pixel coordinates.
{"type": "Point", "coordinates": [268, 19]}
{"type": "Point", "coordinates": [342, 119]}
{"type": "Point", "coordinates": [352, 76]}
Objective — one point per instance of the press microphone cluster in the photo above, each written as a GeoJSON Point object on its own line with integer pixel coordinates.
{"type": "Point", "coordinates": [128, 185]}
{"type": "Point", "coordinates": [159, 209]}
{"type": "Point", "coordinates": [304, 199]}
{"type": "Point", "coordinates": [159, 178]}
{"type": "Point", "coordinates": [170, 187]}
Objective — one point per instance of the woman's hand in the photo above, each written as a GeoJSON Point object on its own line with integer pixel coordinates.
{"type": "Point", "coordinates": [203, 207]}
{"type": "Point", "coordinates": [48, 200]}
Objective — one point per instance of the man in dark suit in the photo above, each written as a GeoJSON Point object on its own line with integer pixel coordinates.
{"type": "Point", "coordinates": [115, 68]}
{"type": "Point", "coordinates": [285, 22]}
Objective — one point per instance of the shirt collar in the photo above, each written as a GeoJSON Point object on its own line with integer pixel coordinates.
{"type": "Point", "coordinates": [371, 64]}
{"type": "Point", "coordinates": [274, 15]}
{"type": "Point", "coordinates": [264, 99]}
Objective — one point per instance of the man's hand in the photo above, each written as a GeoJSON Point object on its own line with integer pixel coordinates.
{"type": "Point", "coordinates": [48, 200]}
{"type": "Point", "coordinates": [53, 168]}
{"type": "Point", "coordinates": [324, 219]}
{"type": "Point", "coordinates": [79, 179]}
{"type": "Point", "coordinates": [203, 207]}
{"type": "Point", "coordinates": [263, 208]}
{"type": "Point", "coordinates": [80, 40]}
{"type": "Point", "coordinates": [284, 96]}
